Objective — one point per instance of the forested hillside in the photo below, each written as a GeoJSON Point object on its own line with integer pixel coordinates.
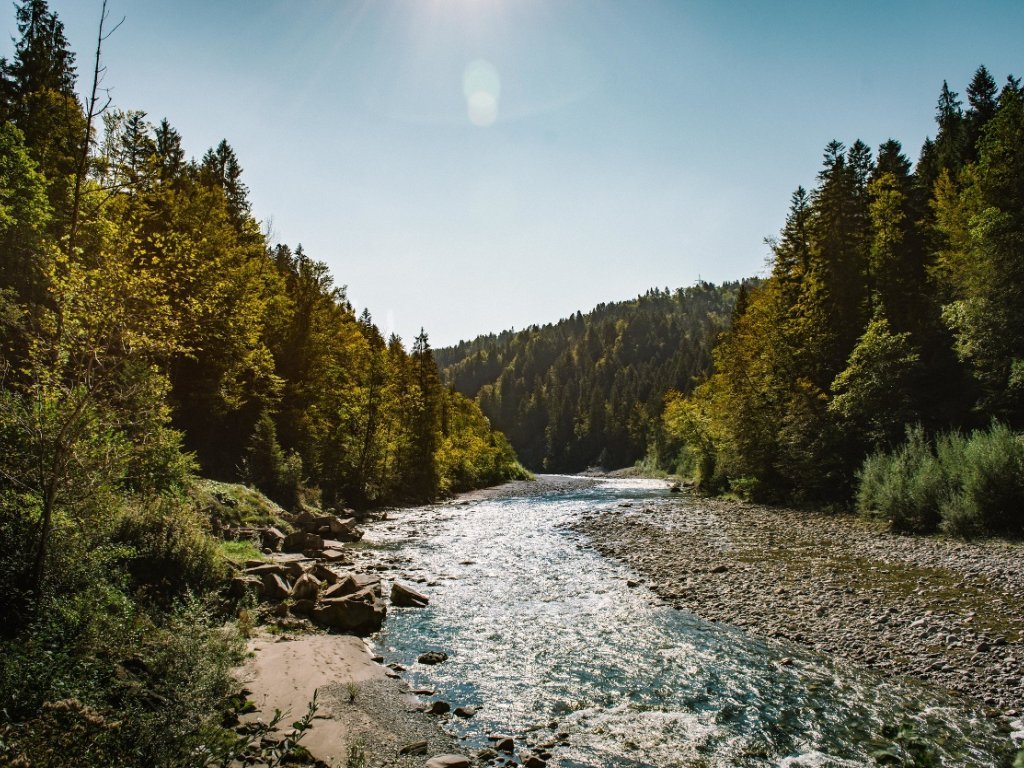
{"type": "Point", "coordinates": [896, 298]}
{"type": "Point", "coordinates": [149, 331]}
{"type": "Point", "coordinates": [590, 389]}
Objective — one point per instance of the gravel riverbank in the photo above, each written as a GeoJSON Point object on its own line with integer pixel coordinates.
{"type": "Point", "coordinates": [948, 612]}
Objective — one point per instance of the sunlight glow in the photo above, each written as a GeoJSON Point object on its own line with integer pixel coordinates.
{"type": "Point", "coordinates": [481, 85]}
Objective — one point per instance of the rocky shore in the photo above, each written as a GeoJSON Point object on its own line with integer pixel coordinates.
{"type": "Point", "coordinates": [944, 611]}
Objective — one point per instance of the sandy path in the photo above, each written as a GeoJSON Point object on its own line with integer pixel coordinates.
{"type": "Point", "coordinates": [284, 673]}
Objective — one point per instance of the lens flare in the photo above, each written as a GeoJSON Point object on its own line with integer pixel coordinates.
{"type": "Point", "coordinates": [481, 85]}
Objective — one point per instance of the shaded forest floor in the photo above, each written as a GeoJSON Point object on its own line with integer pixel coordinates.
{"type": "Point", "coordinates": [944, 611]}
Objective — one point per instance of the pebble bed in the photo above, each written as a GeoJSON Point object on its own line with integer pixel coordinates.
{"type": "Point", "coordinates": [945, 611]}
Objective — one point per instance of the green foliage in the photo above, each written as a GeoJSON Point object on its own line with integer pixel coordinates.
{"type": "Point", "coordinates": [874, 394]}
{"type": "Point", "coordinates": [888, 290]}
{"type": "Point", "coordinates": [907, 488]}
{"type": "Point", "coordinates": [590, 389]}
{"type": "Point", "coordinates": [968, 486]}
{"type": "Point", "coordinates": [171, 551]}
{"type": "Point", "coordinates": [238, 552]}
{"type": "Point", "coordinates": [136, 689]}
{"type": "Point", "coordinates": [989, 476]}
{"type": "Point", "coordinates": [471, 455]}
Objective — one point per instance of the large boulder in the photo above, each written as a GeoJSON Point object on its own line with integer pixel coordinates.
{"type": "Point", "coordinates": [360, 614]}
{"type": "Point", "coordinates": [404, 596]}
{"type": "Point", "coordinates": [305, 521]}
{"type": "Point", "coordinates": [343, 529]}
{"type": "Point", "coordinates": [275, 587]}
{"type": "Point", "coordinates": [369, 581]}
{"type": "Point", "coordinates": [272, 539]}
{"type": "Point", "coordinates": [264, 568]}
{"type": "Point", "coordinates": [345, 585]}
{"type": "Point", "coordinates": [325, 574]}
{"type": "Point", "coordinates": [306, 587]}
{"type": "Point", "coordinates": [300, 541]}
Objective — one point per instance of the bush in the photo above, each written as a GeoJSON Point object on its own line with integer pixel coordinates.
{"type": "Point", "coordinates": [989, 468]}
{"type": "Point", "coordinates": [968, 486]}
{"type": "Point", "coordinates": [146, 690]}
{"type": "Point", "coordinates": [171, 550]}
{"type": "Point", "coordinates": [905, 487]}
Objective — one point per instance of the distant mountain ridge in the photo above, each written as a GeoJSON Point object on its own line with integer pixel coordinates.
{"type": "Point", "coordinates": [589, 389]}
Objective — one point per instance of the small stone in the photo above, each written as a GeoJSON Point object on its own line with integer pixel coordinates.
{"type": "Point", "coordinates": [719, 569]}
{"type": "Point", "coordinates": [466, 712]}
{"type": "Point", "coordinates": [504, 744]}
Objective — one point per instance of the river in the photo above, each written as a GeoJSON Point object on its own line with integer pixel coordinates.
{"type": "Point", "coordinates": [546, 637]}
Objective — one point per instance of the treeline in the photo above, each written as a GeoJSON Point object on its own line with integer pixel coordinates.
{"type": "Point", "coordinates": [896, 298]}
{"type": "Point", "coordinates": [589, 390]}
{"type": "Point", "coordinates": [148, 331]}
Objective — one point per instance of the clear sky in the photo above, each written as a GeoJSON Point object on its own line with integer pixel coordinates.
{"type": "Point", "coordinates": [474, 165]}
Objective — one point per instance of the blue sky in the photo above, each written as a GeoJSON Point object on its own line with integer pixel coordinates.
{"type": "Point", "coordinates": [474, 165]}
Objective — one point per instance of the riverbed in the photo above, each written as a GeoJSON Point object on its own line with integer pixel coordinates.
{"type": "Point", "coordinates": [564, 649]}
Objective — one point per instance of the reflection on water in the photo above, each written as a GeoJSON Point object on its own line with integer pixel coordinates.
{"type": "Point", "coordinates": [546, 638]}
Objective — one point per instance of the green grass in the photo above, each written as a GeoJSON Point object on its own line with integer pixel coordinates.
{"type": "Point", "coordinates": [236, 505]}
{"type": "Point", "coordinates": [237, 552]}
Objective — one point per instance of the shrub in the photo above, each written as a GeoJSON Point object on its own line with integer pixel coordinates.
{"type": "Point", "coordinates": [171, 551]}
{"type": "Point", "coordinates": [968, 486]}
{"type": "Point", "coordinates": [989, 469]}
{"type": "Point", "coordinates": [905, 487]}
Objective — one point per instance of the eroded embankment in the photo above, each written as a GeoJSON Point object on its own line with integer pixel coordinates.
{"type": "Point", "coordinates": [949, 612]}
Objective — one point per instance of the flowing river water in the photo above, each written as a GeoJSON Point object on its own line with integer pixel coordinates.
{"type": "Point", "coordinates": [545, 636]}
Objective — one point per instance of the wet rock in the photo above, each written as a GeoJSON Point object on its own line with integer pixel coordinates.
{"type": "Point", "coordinates": [359, 613]}
{"type": "Point", "coordinates": [504, 744]}
{"type": "Point", "coordinates": [405, 596]}
{"type": "Point", "coordinates": [465, 712]}
{"type": "Point", "coordinates": [432, 657]}
{"type": "Point", "coordinates": [439, 708]}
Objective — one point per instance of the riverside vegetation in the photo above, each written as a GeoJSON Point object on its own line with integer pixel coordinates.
{"type": "Point", "coordinates": [149, 331]}
{"type": "Point", "coordinates": [879, 364]}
